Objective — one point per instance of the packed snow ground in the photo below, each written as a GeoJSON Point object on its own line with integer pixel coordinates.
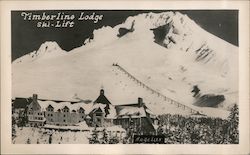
{"type": "Point", "coordinates": [41, 136]}
{"type": "Point", "coordinates": [172, 70]}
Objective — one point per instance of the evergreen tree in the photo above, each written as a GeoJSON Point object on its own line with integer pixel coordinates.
{"type": "Point", "coordinates": [105, 136]}
{"type": "Point", "coordinates": [94, 138]}
{"type": "Point", "coordinates": [233, 124]}
{"type": "Point", "coordinates": [160, 130]}
{"type": "Point", "coordinates": [50, 139]}
{"type": "Point", "coordinates": [234, 114]}
{"type": "Point", "coordinates": [13, 127]}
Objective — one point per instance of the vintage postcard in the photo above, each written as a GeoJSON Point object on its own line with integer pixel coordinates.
{"type": "Point", "coordinates": [142, 78]}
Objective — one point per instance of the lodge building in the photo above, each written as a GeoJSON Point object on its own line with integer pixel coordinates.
{"type": "Point", "coordinates": [136, 116]}
{"type": "Point", "coordinates": [49, 112]}
{"type": "Point", "coordinates": [100, 113]}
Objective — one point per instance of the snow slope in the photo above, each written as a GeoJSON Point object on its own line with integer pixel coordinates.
{"type": "Point", "coordinates": [46, 50]}
{"type": "Point", "coordinates": [185, 56]}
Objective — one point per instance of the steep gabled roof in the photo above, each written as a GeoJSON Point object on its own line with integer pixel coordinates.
{"type": "Point", "coordinates": [97, 110]}
{"type": "Point", "coordinates": [130, 111]}
{"type": "Point", "coordinates": [102, 98]}
{"type": "Point", "coordinates": [111, 110]}
{"type": "Point", "coordinates": [133, 110]}
{"type": "Point", "coordinates": [21, 102]}
{"type": "Point", "coordinates": [34, 105]}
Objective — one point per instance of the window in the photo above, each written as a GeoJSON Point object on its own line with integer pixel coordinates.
{"type": "Point", "coordinates": [50, 108]}
{"type": "Point", "coordinates": [65, 109]}
{"type": "Point", "coordinates": [98, 114]}
{"type": "Point", "coordinates": [64, 120]}
{"type": "Point", "coordinates": [81, 110]}
{"type": "Point", "coordinates": [64, 115]}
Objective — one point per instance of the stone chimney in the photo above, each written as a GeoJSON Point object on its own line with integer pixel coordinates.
{"type": "Point", "coordinates": [101, 92]}
{"type": "Point", "coordinates": [34, 97]}
{"type": "Point", "coordinates": [140, 102]}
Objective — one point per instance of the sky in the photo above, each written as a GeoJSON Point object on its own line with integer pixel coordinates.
{"type": "Point", "coordinates": [26, 37]}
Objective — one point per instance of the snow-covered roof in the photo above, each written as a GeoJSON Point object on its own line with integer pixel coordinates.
{"type": "Point", "coordinates": [130, 111]}
{"type": "Point", "coordinates": [112, 111]}
{"type": "Point", "coordinates": [76, 106]}
{"type": "Point", "coordinates": [133, 110]}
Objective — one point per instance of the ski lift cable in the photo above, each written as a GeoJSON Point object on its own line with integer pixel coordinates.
{"type": "Point", "coordinates": [156, 92]}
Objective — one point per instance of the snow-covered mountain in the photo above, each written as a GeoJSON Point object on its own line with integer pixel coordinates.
{"type": "Point", "coordinates": [167, 51]}
{"type": "Point", "coordinates": [46, 50]}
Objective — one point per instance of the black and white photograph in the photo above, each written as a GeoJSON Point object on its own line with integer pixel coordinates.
{"type": "Point", "coordinates": [125, 76]}
{"type": "Point", "coordinates": [107, 76]}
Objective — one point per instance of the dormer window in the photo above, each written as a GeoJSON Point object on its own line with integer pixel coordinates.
{"type": "Point", "coordinates": [50, 108]}
{"type": "Point", "coordinates": [99, 114]}
{"type": "Point", "coordinates": [81, 110]}
{"type": "Point", "coordinates": [65, 109]}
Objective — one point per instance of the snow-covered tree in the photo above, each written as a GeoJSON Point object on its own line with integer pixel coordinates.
{"type": "Point", "coordinates": [13, 127]}
{"type": "Point", "coordinates": [105, 137]}
{"type": "Point", "coordinates": [94, 138]}
{"type": "Point", "coordinates": [234, 114]}
{"type": "Point", "coordinates": [50, 139]}
{"type": "Point", "coordinates": [233, 124]}
{"type": "Point", "coordinates": [160, 130]}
